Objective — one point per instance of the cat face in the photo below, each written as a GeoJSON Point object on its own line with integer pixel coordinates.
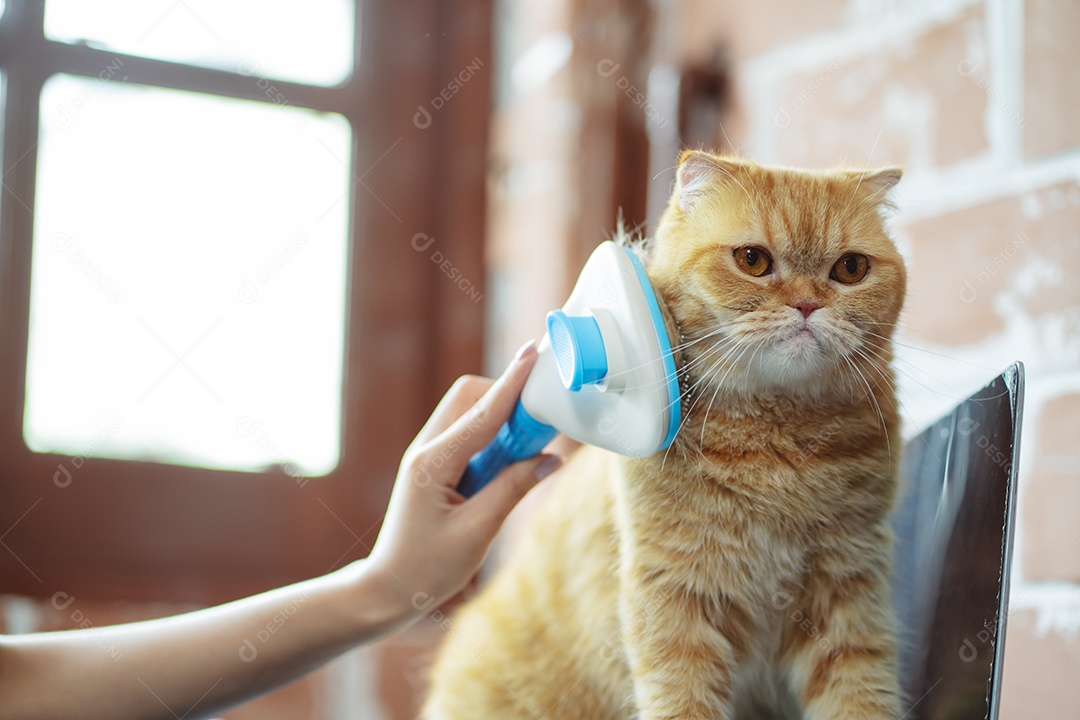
{"type": "Point", "coordinates": [785, 278]}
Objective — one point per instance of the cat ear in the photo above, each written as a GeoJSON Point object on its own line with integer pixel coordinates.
{"type": "Point", "coordinates": [879, 182]}
{"type": "Point", "coordinates": [698, 171]}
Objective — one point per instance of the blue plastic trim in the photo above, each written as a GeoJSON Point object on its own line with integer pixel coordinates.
{"type": "Point", "coordinates": [520, 438]}
{"type": "Point", "coordinates": [579, 349]}
{"type": "Point", "coordinates": [675, 406]}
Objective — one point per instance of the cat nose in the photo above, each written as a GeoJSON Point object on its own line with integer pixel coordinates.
{"type": "Point", "coordinates": [806, 307]}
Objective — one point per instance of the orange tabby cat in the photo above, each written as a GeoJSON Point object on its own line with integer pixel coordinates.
{"type": "Point", "coordinates": [744, 572]}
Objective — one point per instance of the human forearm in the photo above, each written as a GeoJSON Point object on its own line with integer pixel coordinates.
{"type": "Point", "coordinates": [200, 662]}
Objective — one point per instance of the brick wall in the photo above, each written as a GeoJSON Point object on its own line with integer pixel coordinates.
{"type": "Point", "coordinates": [975, 100]}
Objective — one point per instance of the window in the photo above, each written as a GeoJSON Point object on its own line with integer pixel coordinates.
{"type": "Point", "coordinates": [218, 333]}
{"type": "Point", "coordinates": [310, 42]}
{"type": "Point", "coordinates": [194, 271]}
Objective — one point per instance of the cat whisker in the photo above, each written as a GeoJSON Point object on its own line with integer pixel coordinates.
{"type": "Point", "coordinates": [684, 394]}
{"type": "Point", "coordinates": [873, 399]}
{"type": "Point", "coordinates": [865, 168]}
{"type": "Point", "coordinates": [667, 376]}
{"type": "Point", "coordinates": [730, 176]}
{"type": "Point", "coordinates": [730, 144]}
{"type": "Point", "coordinates": [716, 389]}
{"type": "Point", "coordinates": [725, 354]}
{"type": "Point", "coordinates": [880, 365]}
{"type": "Point", "coordinates": [705, 421]}
{"type": "Point", "coordinates": [955, 393]}
{"type": "Point", "coordinates": [695, 341]}
{"type": "Point", "coordinates": [686, 415]}
{"type": "Point", "coordinates": [718, 349]}
{"type": "Point", "coordinates": [722, 344]}
{"type": "Point", "coordinates": [672, 168]}
{"type": "Point", "coordinates": [926, 350]}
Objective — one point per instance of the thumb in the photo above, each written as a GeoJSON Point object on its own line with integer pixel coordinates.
{"type": "Point", "coordinates": [495, 501]}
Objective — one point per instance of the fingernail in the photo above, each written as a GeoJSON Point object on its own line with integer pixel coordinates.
{"type": "Point", "coordinates": [524, 350]}
{"type": "Point", "coordinates": [550, 464]}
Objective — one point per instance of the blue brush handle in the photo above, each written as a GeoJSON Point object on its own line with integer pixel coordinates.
{"type": "Point", "coordinates": [521, 437]}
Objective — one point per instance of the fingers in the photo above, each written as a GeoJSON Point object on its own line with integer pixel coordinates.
{"type": "Point", "coordinates": [492, 504]}
{"type": "Point", "coordinates": [476, 428]}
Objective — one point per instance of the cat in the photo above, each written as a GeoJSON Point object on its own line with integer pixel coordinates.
{"type": "Point", "coordinates": [744, 571]}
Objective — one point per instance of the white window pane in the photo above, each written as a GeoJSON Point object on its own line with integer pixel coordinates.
{"type": "Point", "coordinates": [189, 279]}
{"type": "Point", "coordinates": [309, 42]}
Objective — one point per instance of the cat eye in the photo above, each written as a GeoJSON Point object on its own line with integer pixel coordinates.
{"type": "Point", "coordinates": [850, 269]}
{"type": "Point", "coordinates": [753, 261]}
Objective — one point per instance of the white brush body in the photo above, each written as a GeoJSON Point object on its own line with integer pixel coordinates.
{"type": "Point", "coordinates": [631, 411]}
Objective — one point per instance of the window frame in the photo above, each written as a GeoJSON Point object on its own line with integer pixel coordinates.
{"type": "Point", "coordinates": [145, 531]}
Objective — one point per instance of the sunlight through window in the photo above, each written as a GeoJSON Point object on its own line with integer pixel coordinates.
{"type": "Point", "coordinates": [309, 42]}
{"type": "Point", "coordinates": [189, 279]}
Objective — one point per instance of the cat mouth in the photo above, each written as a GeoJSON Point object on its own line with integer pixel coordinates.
{"type": "Point", "coordinates": [804, 334]}
{"type": "Point", "coordinates": [804, 339]}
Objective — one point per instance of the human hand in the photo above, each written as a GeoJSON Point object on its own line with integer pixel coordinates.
{"type": "Point", "coordinates": [433, 540]}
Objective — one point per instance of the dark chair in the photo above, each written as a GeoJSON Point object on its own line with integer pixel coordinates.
{"type": "Point", "coordinates": [954, 526]}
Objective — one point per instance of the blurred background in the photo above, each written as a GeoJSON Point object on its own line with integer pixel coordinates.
{"type": "Point", "coordinates": [245, 247]}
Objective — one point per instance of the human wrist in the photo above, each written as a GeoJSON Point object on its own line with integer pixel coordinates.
{"type": "Point", "coordinates": [378, 602]}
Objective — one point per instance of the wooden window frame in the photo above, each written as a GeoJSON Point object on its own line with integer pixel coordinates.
{"type": "Point", "coordinates": [144, 531]}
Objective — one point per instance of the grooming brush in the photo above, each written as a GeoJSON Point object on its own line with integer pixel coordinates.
{"type": "Point", "coordinates": [605, 374]}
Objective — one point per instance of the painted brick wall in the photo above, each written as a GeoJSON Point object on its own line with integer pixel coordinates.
{"type": "Point", "coordinates": [977, 100]}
